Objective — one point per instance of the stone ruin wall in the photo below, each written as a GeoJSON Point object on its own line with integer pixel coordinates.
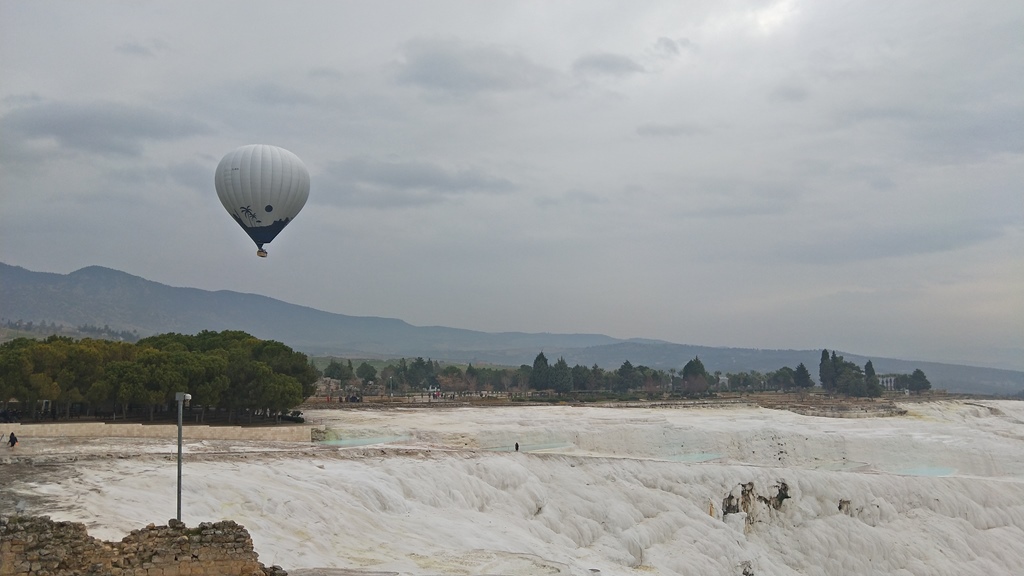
{"type": "Point", "coordinates": [39, 546]}
{"type": "Point", "coordinates": [135, 430]}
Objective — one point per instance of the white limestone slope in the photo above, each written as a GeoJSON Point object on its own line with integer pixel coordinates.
{"type": "Point", "coordinates": [620, 491]}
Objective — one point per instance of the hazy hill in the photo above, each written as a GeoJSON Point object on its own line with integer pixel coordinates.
{"type": "Point", "coordinates": [100, 296]}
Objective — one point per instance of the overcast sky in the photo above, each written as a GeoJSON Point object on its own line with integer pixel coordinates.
{"type": "Point", "coordinates": [841, 175]}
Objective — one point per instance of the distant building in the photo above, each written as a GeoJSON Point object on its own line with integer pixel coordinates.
{"type": "Point", "coordinates": [888, 381]}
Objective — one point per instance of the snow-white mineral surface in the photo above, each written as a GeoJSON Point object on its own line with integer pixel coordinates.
{"type": "Point", "coordinates": [591, 490]}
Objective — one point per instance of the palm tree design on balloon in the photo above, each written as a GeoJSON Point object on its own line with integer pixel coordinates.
{"type": "Point", "coordinates": [250, 216]}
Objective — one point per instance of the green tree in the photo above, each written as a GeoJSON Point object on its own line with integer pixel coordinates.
{"type": "Point", "coordinates": [540, 375]}
{"type": "Point", "coordinates": [283, 360]}
{"type": "Point", "coordinates": [561, 377]}
{"type": "Point", "coordinates": [452, 378]}
{"type": "Point", "coordinates": [259, 381]}
{"type": "Point", "coordinates": [742, 381]}
{"type": "Point", "coordinates": [826, 374]}
{"type": "Point", "coordinates": [210, 381]}
{"type": "Point", "coordinates": [338, 371]}
{"type": "Point", "coordinates": [43, 387]}
{"type": "Point", "coordinates": [802, 377]}
{"type": "Point", "coordinates": [850, 379]}
{"type": "Point", "coordinates": [851, 383]}
{"type": "Point", "coordinates": [694, 368]}
{"type": "Point", "coordinates": [871, 380]}
{"type": "Point", "coordinates": [279, 392]}
{"type": "Point", "coordinates": [599, 378]}
{"type": "Point", "coordinates": [627, 378]}
{"type": "Point", "coordinates": [82, 369]}
{"type": "Point", "coordinates": [15, 369]}
{"type": "Point", "coordinates": [165, 375]}
{"type": "Point", "coordinates": [472, 377]}
{"type": "Point", "coordinates": [47, 360]}
{"type": "Point", "coordinates": [99, 394]}
{"type": "Point", "coordinates": [419, 372]}
{"type": "Point", "coordinates": [125, 380]}
{"type": "Point", "coordinates": [366, 373]}
{"type": "Point", "coordinates": [581, 376]}
{"type": "Point", "coordinates": [521, 382]}
{"type": "Point", "coordinates": [695, 377]}
{"type": "Point", "coordinates": [918, 382]}
{"type": "Point", "coordinates": [782, 379]}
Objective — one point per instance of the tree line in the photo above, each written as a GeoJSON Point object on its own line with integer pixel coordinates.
{"type": "Point", "coordinates": [48, 328]}
{"type": "Point", "coordinates": [228, 371]}
{"type": "Point", "coordinates": [239, 374]}
{"type": "Point", "coordinates": [558, 378]}
{"type": "Point", "coordinates": [836, 375]}
{"type": "Point", "coordinates": [839, 375]}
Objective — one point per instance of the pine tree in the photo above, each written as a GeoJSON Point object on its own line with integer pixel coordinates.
{"type": "Point", "coordinates": [826, 374]}
{"type": "Point", "coordinates": [561, 377]}
{"type": "Point", "coordinates": [695, 377]}
{"type": "Point", "coordinates": [918, 381]}
{"type": "Point", "coordinates": [802, 377]}
{"type": "Point", "coordinates": [540, 376]}
{"type": "Point", "coordinates": [874, 387]}
{"type": "Point", "coordinates": [694, 368]}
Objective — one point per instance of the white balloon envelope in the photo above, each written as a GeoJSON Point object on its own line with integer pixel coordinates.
{"type": "Point", "coordinates": [263, 187]}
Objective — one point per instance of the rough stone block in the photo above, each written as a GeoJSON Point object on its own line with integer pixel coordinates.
{"type": "Point", "coordinates": [66, 549]}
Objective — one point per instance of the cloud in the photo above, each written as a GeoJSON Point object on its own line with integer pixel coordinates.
{"type": "Point", "coordinates": [606, 64]}
{"type": "Point", "coordinates": [191, 174]}
{"type": "Point", "coordinates": [657, 130]}
{"type": "Point", "coordinates": [325, 73]}
{"type": "Point", "coordinates": [98, 127]}
{"type": "Point", "coordinates": [949, 134]}
{"type": "Point", "coordinates": [16, 100]}
{"type": "Point", "coordinates": [273, 94]}
{"type": "Point", "coordinates": [910, 239]}
{"type": "Point", "coordinates": [718, 199]}
{"type": "Point", "coordinates": [577, 196]}
{"type": "Point", "coordinates": [808, 146]}
{"type": "Point", "coordinates": [789, 92]}
{"type": "Point", "coordinates": [573, 197]}
{"type": "Point", "coordinates": [134, 49]}
{"type": "Point", "coordinates": [968, 135]}
{"type": "Point", "coordinates": [457, 67]}
{"type": "Point", "coordinates": [665, 47]}
{"type": "Point", "coordinates": [140, 49]}
{"type": "Point", "coordinates": [374, 182]}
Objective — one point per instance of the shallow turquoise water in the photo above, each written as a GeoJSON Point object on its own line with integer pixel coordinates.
{"type": "Point", "coordinates": [927, 471]}
{"type": "Point", "coordinates": [348, 442]}
{"type": "Point", "coordinates": [694, 457]}
{"type": "Point", "coordinates": [553, 446]}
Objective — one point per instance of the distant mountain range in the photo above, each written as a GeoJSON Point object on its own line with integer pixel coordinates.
{"type": "Point", "coordinates": [97, 296]}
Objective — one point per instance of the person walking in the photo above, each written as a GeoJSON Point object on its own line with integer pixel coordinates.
{"type": "Point", "coordinates": [12, 440]}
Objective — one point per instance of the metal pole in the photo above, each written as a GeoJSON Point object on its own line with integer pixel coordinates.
{"type": "Point", "coordinates": [181, 397]}
{"type": "Point", "coordinates": [181, 401]}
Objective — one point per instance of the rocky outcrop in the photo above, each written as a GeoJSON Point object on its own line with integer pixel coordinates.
{"type": "Point", "coordinates": [744, 499]}
{"type": "Point", "coordinates": [39, 546]}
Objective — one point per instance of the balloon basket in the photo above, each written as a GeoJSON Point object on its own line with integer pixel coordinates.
{"type": "Point", "coordinates": [261, 253]}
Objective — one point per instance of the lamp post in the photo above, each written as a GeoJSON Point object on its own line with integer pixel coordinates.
{"type": "Point", "coordinates": [181, 398]}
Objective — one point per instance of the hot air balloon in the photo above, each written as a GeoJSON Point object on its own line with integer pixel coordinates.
{"type": "Point", "coordinates": [263, 187]}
